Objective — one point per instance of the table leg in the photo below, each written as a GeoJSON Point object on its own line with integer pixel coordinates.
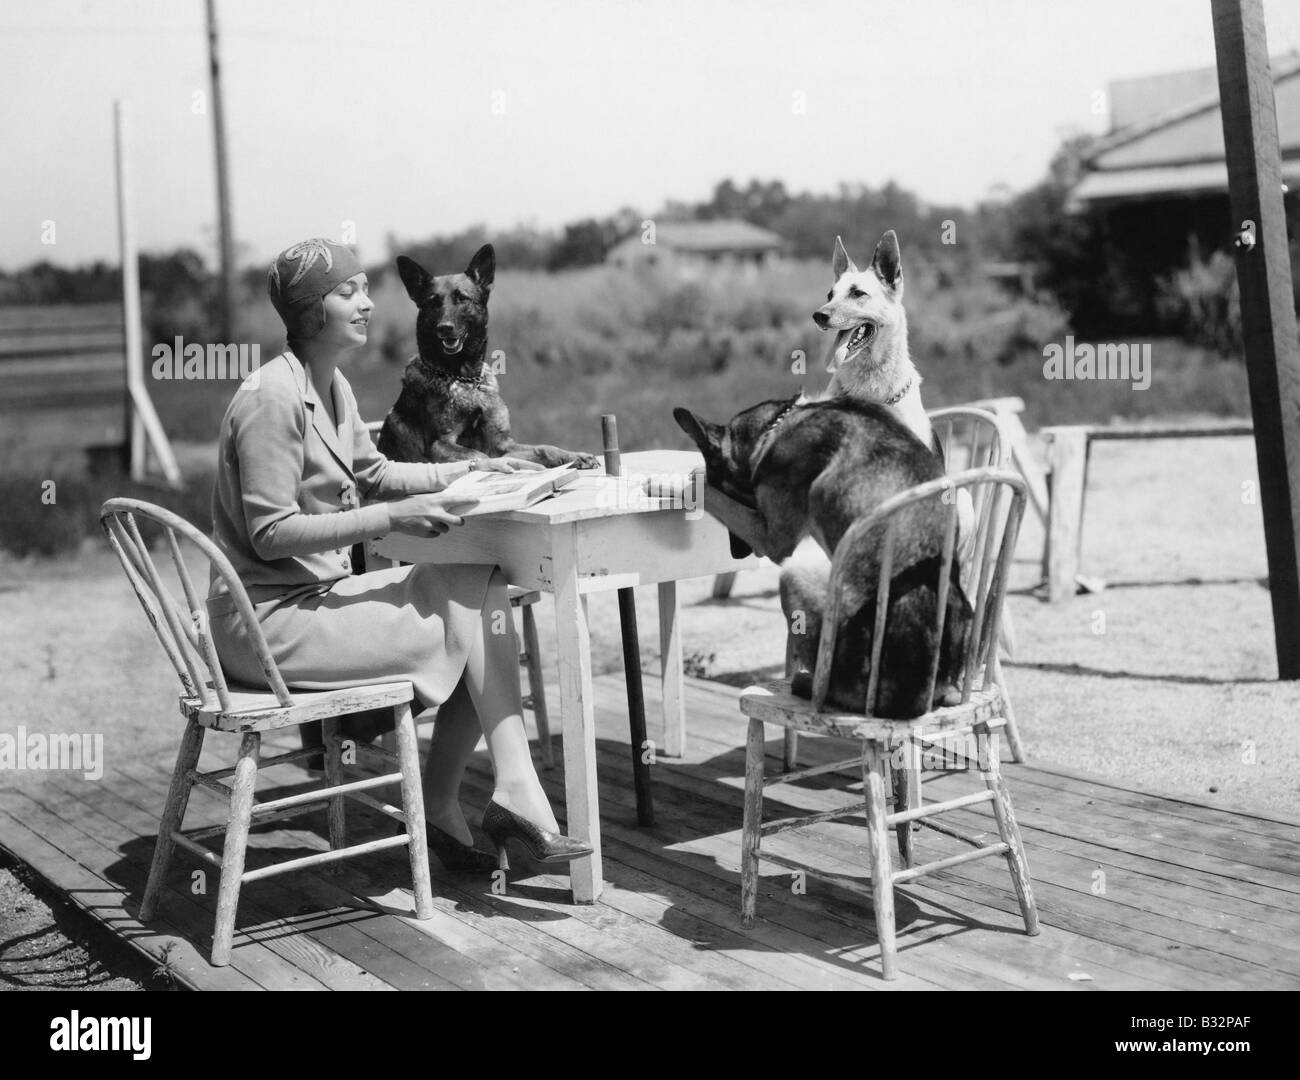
{"type": "Point", "coordinates": [577, 716]}
{"type": "Point", "coordinates": [670, 671]}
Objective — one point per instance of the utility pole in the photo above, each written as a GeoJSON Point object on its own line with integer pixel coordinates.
{"type": "Point", "coordinates": [225, 230]}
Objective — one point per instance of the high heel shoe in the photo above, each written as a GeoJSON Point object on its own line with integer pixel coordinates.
{"type": "Point", "coordinates": [542, 845]}
{"type": "Point", "coordinates": [455, 856]}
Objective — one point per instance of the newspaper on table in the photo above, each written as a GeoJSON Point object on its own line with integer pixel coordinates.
{"type": "Point", "coordinates": [495, 492]}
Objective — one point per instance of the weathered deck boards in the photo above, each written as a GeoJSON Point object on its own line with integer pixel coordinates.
{"type": "Point", "coordinates": [1135, 891]}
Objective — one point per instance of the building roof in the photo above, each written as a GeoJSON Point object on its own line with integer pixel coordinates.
{"type": "Point", "coordinates": [1166, 136]}
{"type": "Point", "coordinates": [722, 235]}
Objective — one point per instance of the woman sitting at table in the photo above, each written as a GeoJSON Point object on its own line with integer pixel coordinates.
{"type": "Point", "coordinates": [295, 460]}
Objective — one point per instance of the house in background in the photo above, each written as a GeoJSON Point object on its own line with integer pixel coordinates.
{"type": "Point", "coordinates": [692, 248]}
{"type": "Point", "coordinates": [1158, 179]}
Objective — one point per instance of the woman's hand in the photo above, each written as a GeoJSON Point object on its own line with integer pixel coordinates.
{"type": "Point", "coordinates": [425, 515]}
{"type": "Point", "coordinates": [506, 464]}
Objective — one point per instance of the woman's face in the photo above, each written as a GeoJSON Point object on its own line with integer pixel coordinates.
{"type": "Point", "coordinates": [347, 313]}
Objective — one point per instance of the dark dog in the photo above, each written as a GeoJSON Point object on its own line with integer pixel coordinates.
{"type": "Point", "coordinates": [450, 407]}
{"type": "Point", "coordinates": [813, 469]}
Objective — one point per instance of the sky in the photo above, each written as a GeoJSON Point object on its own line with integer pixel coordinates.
{"type": "Point", "coordinates": [361, 119]}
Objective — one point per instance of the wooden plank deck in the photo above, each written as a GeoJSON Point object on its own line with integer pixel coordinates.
{"type": "Point", "coordinates": [1135, 890]}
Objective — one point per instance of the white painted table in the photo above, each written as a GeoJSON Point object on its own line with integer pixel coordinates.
{"type": "Point", "coordinates": [593, 537]}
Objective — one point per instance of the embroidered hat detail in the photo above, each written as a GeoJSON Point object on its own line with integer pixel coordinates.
{"type": "Point", "coordinates": [301, 275]}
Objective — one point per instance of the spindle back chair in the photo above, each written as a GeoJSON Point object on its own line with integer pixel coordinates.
{"type": "Point", "coordinates": [210, 701]}
{"type": "Point", "coordinates": [970, 438]}
{"type": "Point", "coordinates": [980, 712]}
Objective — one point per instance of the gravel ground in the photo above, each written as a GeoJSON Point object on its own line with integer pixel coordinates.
{"type": "Point", "coordinates": [46, 945]}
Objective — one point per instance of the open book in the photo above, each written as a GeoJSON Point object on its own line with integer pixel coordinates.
{"type": "Point", "coordinates": [493, 492]}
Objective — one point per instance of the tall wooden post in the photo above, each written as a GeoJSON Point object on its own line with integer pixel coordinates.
{"type": "Point", "coordinates": [1268, 318]}
{"type": "Point", "coordinates": [224, 227]}
{"type": "Point", "coordinates": [145, 428]}
{"type": "Point", "coordinates": [130, 294]}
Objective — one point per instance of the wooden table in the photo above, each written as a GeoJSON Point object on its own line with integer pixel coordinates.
{"type": "Point", "coordinates": [595, 536]}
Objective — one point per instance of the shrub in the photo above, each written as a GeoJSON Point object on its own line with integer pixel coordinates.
{"type": "Point", "coordinates": [35, 525]}
{"type": "Point", "coordinates": [1201, 302]}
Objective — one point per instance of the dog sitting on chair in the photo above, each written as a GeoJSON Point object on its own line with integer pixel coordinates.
{"type": "Point", "coordinates": [813, 469]}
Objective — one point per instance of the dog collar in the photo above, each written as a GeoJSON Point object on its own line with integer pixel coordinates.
{"type": "Point", "coordinates": [765, 437]}
{"type": "Point", "coordinates": [477, 380]}
{"type": "Point", "coordinates": [902, 393]}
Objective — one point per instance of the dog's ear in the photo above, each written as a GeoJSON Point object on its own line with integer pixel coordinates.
{"type": "Point", "coordinates": [841, 264]}
{"type": "Point", "coordinates": [415, 277]}
{"type": "Point", "coordinates": [888, 262]}
{"type": "Point", "coordinates": [707, 436]}
{"type": "Point", "coordinates": [482, 269]}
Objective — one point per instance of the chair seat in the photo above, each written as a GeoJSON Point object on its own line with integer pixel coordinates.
{"type": "Point", "coordinates": [773, 703]}
{"type": "Point", "coordinates": [258, 710]}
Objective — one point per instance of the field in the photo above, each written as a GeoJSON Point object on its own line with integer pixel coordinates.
{"type": "Point", "coordinates": [573, 345]}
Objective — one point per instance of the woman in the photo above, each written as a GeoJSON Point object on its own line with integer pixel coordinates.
{"type": "Point", "coordinates": [294, 461]}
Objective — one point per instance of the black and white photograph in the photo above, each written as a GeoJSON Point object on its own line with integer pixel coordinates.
{"type": "Point", "coordinates": [651, 496]}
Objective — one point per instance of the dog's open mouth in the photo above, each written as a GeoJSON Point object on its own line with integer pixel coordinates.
{"type": "Point", "coordinates": [850, 343]}
{"type": "Point", "coordinates": [451, 346]}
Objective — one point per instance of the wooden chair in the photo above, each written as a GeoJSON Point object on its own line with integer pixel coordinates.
{"type": "Point", "coordinates": [980, 716]}
{"type": "Point", "coordinates": [971, 438]}
{"type": "Point", "coordinates": [208, 701]}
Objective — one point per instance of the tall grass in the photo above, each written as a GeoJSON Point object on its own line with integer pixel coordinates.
{"type": "Point", "coordinates": [583, 342]}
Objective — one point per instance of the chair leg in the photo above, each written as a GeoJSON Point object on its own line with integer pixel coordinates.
{"type": "Point", "coordinates": [536, 685]}
{"type": "Point", "coordinates": [1009, 833]}
{"type": "Point", "coordinates": [232, 856]}
{"type": "Point", "coordinates": [1013, 733]}
{"type": "Point", "coordinates": [178, 797]}
{"type": "Point", "coordinates": [408, 758]}
{"type": "Point", "coordinates": [334, 777]}
{"type": "Point", "coordinates": [907, 796]}
{"type": "Point", "coordinates": [874, 764]}
{"type": "Point", "coordinates": [790, 750]}
{"type": "Point", "coordinates": [753, 821]}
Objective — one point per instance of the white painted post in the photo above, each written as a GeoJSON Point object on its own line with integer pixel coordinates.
{"type": "Point", "coordinates": [130, 289]}
{"type": "Point", "coordinates": [145, 426]}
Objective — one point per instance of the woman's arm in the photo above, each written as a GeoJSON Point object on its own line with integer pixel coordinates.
{"type": "Point", "coordinates": [378, 476]}
{"type": "Point", "coordinates": [268, 437]}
